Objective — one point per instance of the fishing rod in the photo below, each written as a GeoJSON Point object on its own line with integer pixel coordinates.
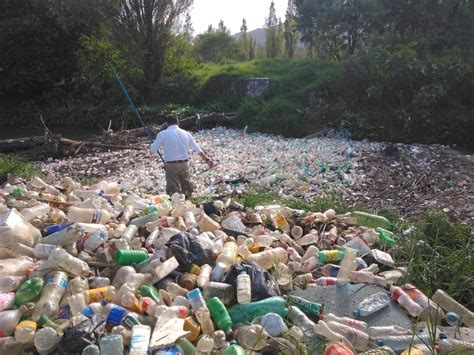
{"type": "Point", "coordinates": [134, 108]}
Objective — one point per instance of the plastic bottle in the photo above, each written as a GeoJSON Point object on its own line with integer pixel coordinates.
{"type": "Point", "coordinates": [218, 272]}
{"type": "Point", "coordinates": [367, 278]}
{"type": "Point", "coordinates": [140, 340]}
{"type": "Point", "coordinates": [204, 275]}
{"type": "Point", "coordinates": [234, 349]}
{"type": "Point", "coordinates": [44, 322]}
{"type": "Point", "coordinates": [447, 345]}
{"type": "Point", "coordinates": [204, 318]}
{"type": "Point", "coordinates": [371, 220]}
{"type": "Point", "coordinates": [324, 330]}
{"type": "Point", "coordinates": [88, 215]}
{"type": "Point", "coordinates": [219, 338]}
{"type": "Point", "coordinates": [225, 292]}
{"type": "Point", "coordinates": [196, 298]}
{"type": "Point", "coordinates": [338, 348]}
{"type": "Point", "coordinates": [127, 213]}
{"type": "Point", "coordinates": [266, 259]}
{"type": "Point", "coordinates": [273, 324]}
{"type": "Point", "coordinates": [311, 308]}
{"type": "Point", "coordinates": [385, 331]}
{"type": "Point", "coordinates": [35, 211]}
{"type": "Point", "coordinates": [413, 308]}
{"type": "Point", "coordinates": [25, 331]}
{"type": "Point", "coordinates": [9, 319]}
{"type": "Point", "coordinates": [42, 251]}
{"type": "Point", "coordinates": [347, 264]}
{"type": "Point", "coordinates": [6, 300]}
{"type": "Point", "coordinates": [91, 349]}
{"type": "Point", "coordinates": [11, 283]}
{"type": "Point", "coordinates": [129, 232]}
{"type": "Point", "coordinates": [245, 313]}
{"type": "Point", "coordinates": [252, 337]}
{"type": "Point", "coordinates": [357, 338]}
{"type": "Point", "coordinates": [386, 237]}
{"type": "Point", "coordinates": [244, 288]}
{"type": "Point", "coordinates": [95, 240]}
{"type": "Point", "coordinates": [111, 345]}
{"type": "Point", "coordinates": [141, 221]}
{"type": "Point", "coordinates": [204, 345]}
{"type": "Point", "coordinates": [122, 274]}
{"type": "Point", "coordinates": [76, 303]}
{"type": "Point", "coordinates": [130, 257]}
{"type": "Point", "coordinates": [185, 346]}
{"type": "Point", "coordinates": [450, 305]}
{"type": "Point", "coordinates": [60, 257]}
{"type": "Point", "coordinates": [15, 267]}
{"type": "Point", "coordinates": [53, 290]}
{"type": "Point", "coordinates": [28, 291]}
{"type": "Point", "coordinates": [228, 254]}
{"type": "Point", "coordinates": [416, 295]}
{"type": "Point", "coordinates": [219, 314]}
{"type": "Point", "coordinates": [66, 236]}
{"type": "Point", "coordinates": [372, 304]}
{"type": "Point", "coordinates": [399, 343]}
{"type": "Point", "coordinates": [46, 340]}
{"type": "Point", "coordinates": [350, 322]}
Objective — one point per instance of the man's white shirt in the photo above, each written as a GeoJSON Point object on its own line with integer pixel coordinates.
{"type": "Point", "coordinates": [175, 143]}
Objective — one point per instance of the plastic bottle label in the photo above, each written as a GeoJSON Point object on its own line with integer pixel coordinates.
{"type": "Point", "coordinates": [397, 292]}
{"type": "Point", "coordinates": [64, 312]}
{"type": "Point", "coordinates": [96, 216]}
{"type": "Point", "coordinates": [331, 255]}
{"type": "Point", "coordinates": [57, 279]}
{"type": "Point", "coordinates": [27, 325]}
{"type": "Point", "coordinates": [98, 294]}
{"type": "Point", "coordinates": [304, 305]}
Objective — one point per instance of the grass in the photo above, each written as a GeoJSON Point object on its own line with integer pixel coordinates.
{"type": "Point", "coordinates": [11, 164]}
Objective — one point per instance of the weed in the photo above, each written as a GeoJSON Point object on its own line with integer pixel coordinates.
{"type": "Point", "coordinates": [11, 164]}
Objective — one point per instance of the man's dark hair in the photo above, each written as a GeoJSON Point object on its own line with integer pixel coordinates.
{"type": "Point", "coordinates": [171, 119]}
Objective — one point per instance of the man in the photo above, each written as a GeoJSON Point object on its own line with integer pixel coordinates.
{"type": "Point", "coordinates": [176, 143]}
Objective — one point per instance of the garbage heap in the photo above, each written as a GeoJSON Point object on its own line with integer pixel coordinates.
{"type": "Point", "coordinates": [98, 270]}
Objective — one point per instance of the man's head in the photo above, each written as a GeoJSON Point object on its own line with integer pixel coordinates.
{"type": "Point", "coordinates": [172, 120]}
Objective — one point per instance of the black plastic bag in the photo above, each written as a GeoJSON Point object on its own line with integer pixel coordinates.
{"type": "Point", "coordinates": [75, 339]}
{"type": "Point", "coordinates": [189, 251]}
{"type": "Point", "coordinates": [263, 284]}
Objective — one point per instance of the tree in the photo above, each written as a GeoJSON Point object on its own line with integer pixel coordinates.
{"type": "Point", "coordinates": [221, 27]}
{"type": "Point", "coordinates": [252, 48]}
{"type": "Point", "coordinates": [188, 29]}
{"type": "Point", "coordinates": [271, 33]}
{"type": "Point", "coordinates": [290, 32]}
{"type": "Point", "coordinates": [244, 39]}
{"type": "Point", "coordinates": [216, 45]}
{"type": "Point", "coordinates": [149, 25]}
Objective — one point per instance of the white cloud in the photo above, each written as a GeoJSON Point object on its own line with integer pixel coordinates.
{"type": "Point", "coordinates": [206, 12]}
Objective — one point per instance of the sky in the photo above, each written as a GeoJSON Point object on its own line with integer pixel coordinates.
{"type": "Point", "coordinates": [205, 12]}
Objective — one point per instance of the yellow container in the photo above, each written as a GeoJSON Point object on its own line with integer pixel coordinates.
{"type": "Point", "coordinates": [191, 325]}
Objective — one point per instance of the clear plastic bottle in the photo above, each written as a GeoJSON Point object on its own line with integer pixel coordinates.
{"type": "Point", "coordinates": [399, 343]}
{"type": "Point", "coordinates": [219, 338]}
{"type": "Point", "coordinates": [122, 274]}
{"type": "Point", "coordinates": [347, 264]}
{"type": "Point", "coordinates": [385, 331]}
{"type": "Point", "coordinates": [140, 340]}
{"type": "Point", "coordinates": [9, 319]}
{"type": "Point", "coordinates": [204, 318]}
{"type": "Point", "coordinates": [11, 282]}
{"type": "Point", "coordinates": [42, 251]}
{"type": "Point", "coordinates": [244, 288]}
{"type": "Point", "coordinates": [367, 278]}
{"type": "Point", "coordinates": [416, 295]}
{"type": "Point", "coordinates": [372, 304]}
{"type": "Point", "coordinates": [88, 215]}
{"type": "Point", "coordinates": [449, 304]}
{"type": "Point", "coordinates": [447, 345]}
{"type": "Point", "coordinates": [38, 210]}
{"type": "Point", "coordinates": [6, 300]}
{"type": "Point", "coordinates": [76, 303]}
{"type": "Point", "coordinates": [204, 275]}
{"type": "Point", "coordinates": [60, 257]}
{"type": "Point", "coordinates": [324, 330]}
{"type": "Point", "coordinates": [330, 281]}
{"type": "Point", "coordinates": [95, 240]}
{"type": "Point", "coordinates": [111, 345]}
{"type": "Point", "coordinates": [15, 267]}
{"type": "Point", "coordinates": [205, 345]}
{"type": "Point", "coordinates": [197, 300]}
{"type": "Point", "coordinates": [165, 268]}
{"type": "Point", "coordinates": [218, 272]}
{"type": "Point", "coordinates": [190, 220]}
{"type": "Point", "coordinates": [301, 320]}
{"type": "Point", "coordinates": [29, 290]}
{"type": "Point", "coordinates": [413, 308]}
{"type": "Point", "coordinates": [65, 236]}
{"type": "Point", "coordinates": [53, 291]}
{"type": "Point", "coordinates": [228, 254]}
{"type": "Point", "coordinates": [91, 349]}
{"type": "Point", "coordinates": [25, 331]}
{"type": "Point", "coordinates": [350, 322]}
{"type": "Point", "coordinates": [252, 337]}
{"type": "Point", "coordinates": [129, 233]}
{"type": "Point", "coordinates": [46, 340]}
{"type": "Point", "coordinates": [357, 338]}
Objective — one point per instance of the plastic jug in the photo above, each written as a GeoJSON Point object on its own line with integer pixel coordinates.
{"type": "Point", "coordinates": [219, 314]}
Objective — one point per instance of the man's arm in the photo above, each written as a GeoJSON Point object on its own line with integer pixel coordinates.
{"type": "Point", "coordinates": [156, 145]}
{"type": "Point", "coordinates": [198, 150]}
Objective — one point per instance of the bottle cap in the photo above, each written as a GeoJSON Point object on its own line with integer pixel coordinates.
{"type": "Point", "coordinates": [115, 315]}
{"type": "Point", "coordinates": [380, 342]}
{"type": "Point", "coordinates": [356, 313]}
{"type": "Point", "coordinates": [443, 336]}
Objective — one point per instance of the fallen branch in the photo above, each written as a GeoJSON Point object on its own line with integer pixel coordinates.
{"type": "Point", "coordinates": [96, 145]}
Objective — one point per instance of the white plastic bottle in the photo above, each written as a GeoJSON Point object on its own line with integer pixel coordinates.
{"type": "Point", "coordinates": [204, 275]}
{"type": "Point", "coordinates": [88, 215]}
{"type": "Point", "coordinates": [204, 318]}
{"type": "Point", "coordinates": [323, 329]}
{"type": "Point", "coordinates": [266, 259]}
{"type": "Point", "coordinates": [76, 303]}
{"type": "Point", "coordinates": [15, 267]}
{"type": "Point", "coordinates": [53, 290]}
{"type": "Point", "coordinates": [358, 339]}
{"type": "Point", "coordinates": [60, 257]}
{"type": "Point", "coordinates": [348, 264]}
{"type": "Point", "coordinates": [9, 319]}
{"type": "Point", "coordinates": [413, 308]}
{"type": "Point", "coordinates": [244, 288]}
{"type": "Point", "coordinates": [447, 345]}
{"type": "Point", "coordinates": [140, 340]}
{"type": "Point", "coordinates": [351, 322]}
{"type": "Point", "coordinates": [11, 283]}
{"type": "Point", "coordinates": [95, 240]}
{"type": "Point", "coordinates": [228, 254]}
{"type": "Point", "coordinates": [449, 304]}
{"type": "Point", "coordinates": [386, 331]}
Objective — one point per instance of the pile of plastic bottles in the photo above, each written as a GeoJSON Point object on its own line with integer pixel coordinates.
{"type": "Point", "coordinates": [99, 270]}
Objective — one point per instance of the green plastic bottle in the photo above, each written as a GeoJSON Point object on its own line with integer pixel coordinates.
{"type": "Point", "coordinates": [130, 257]}
{"type": "Point", "coordinates": [186, 347]}
{"type": "Point", "coordinates": [371, 220]}
{"type": "Point", "coordinates": [247, 312]}
{"type": "Point", "coordinates": [234, 349]}
{"type": "Point", "coordinates": [306, 306]}
{"type": "Point", "coordinates": [147, 290]}
{"type": "Point", "coordinates": [219, 314]}
{"type": "Point", "coordinates": [386, 237]}
{"type": "Point", "coordinates": [28, 291]}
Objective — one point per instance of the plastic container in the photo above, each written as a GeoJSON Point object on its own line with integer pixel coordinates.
{"type": "Point", "coordinates": [204, 275]}
{"type": "Point", "coordinates": [9, 319]}
{"type": "Point", "coordinates": [219, 314]}
{"type": "Point", "coordinates": [447, 345]}
{"type": "Point", "coordinates": [95, 240]}
{"type": "Point", "coordinates": [413, 308]}
{"type": "Point", "coordinates": [130, 257]}
{"type": "Point", "coordinates": [204, 318]}
{"type": "Point", "coordinates": [228, 254]}
{"type": "Point", "coordinates": [350, 322]}
{"type": "Point", "coordinates": [196, 298]}
{"type": "Point", "coordinates": [447, 303]}
{"type": "Point", "coordinates": [166, 268]}
{"type": "Point", "coordinates": [62, 259]}
{"type": "Point", "coordinates": [65, 236]}
{"type": "Point", "coordinates": [400, 343]}
{"type": "Point", "coordinates": [46, 340]}
{"type": "Point", "coordinates": [28, 291]}
{"type": "Point", "coordinates": [91, 349]}
{"type": "Point", "coordinates": [111, 345]}
{"type": "Point", "coordinates": [140, 340]}
{"type": "Point", "coordinates": [88, 215]}
{"type": "Point", "coordinates": [308, 307]}
{"type": "Point", "coordinates": [246, 313]}
{"type": "Point", "coordinates": [15, 267]}
{"type": "Point", "coordinates": [324, 330]}
{"type": "Point", "coordinates": [266, 259]}
{"type": "Point", "coordinates": [11, 283]}
{"type": "Point", "coordinates": [218, 272]}
{"type": "Point", "coordinates": [273, 324]}
{"type": "Point", "coordinates": [6, 300]}
{"type": "Point", "coordinates": [252, 337]}
{"type": "Point", "coordinates": [54, 287]}
{"type": "Point", "coordinates": [35, 211]}
{"type": "Point", "coordinates": [25, 331]}
{"type": "Point", "coordinates": [385, 331]}
{"type": "Point", "coordinates": [348, 264]}
{"type": "Point", "coordinates": [225, 292]}
{"type": "Point", "coordinates": [371, 220]}
{"type": "Point", "coordinates": [244, 288]}
{"type": "Point", "coordinates": [372, 304]}
{"type": "Point", "coordinates": [357, 338]}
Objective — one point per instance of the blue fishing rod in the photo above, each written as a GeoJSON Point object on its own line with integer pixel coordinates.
{"type": "Point", "coordinates": [134, 108]}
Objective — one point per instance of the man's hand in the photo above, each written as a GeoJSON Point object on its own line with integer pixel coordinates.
{"type": "Point", "coordinates": [210, 163]}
